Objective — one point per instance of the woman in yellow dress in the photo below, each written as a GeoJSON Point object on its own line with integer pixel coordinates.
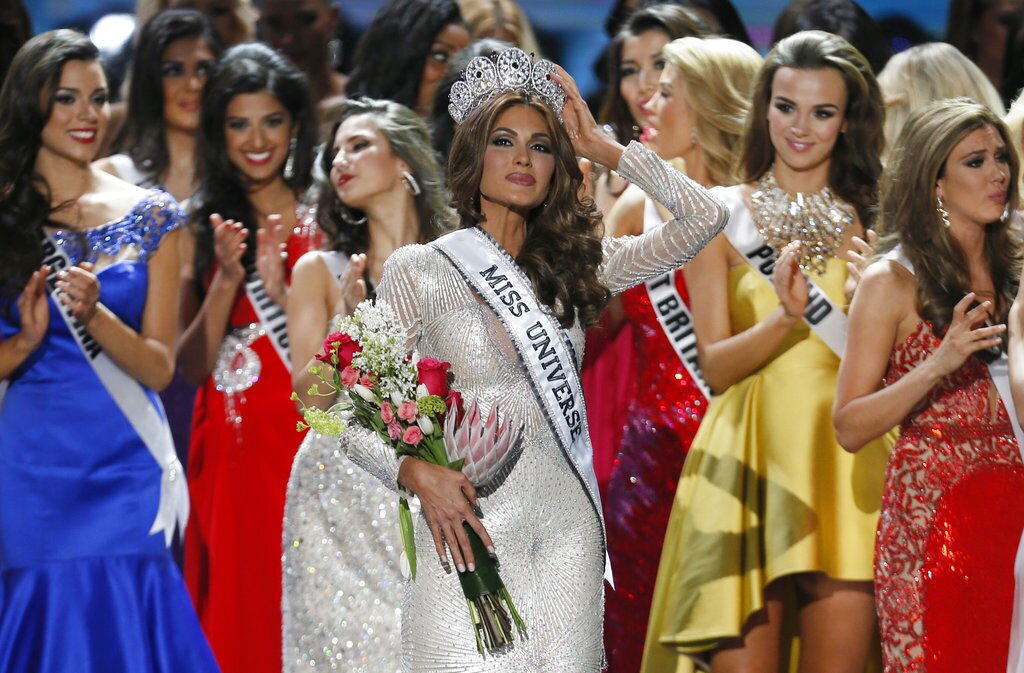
{"type": "Point", "coordinates": [769, 508]}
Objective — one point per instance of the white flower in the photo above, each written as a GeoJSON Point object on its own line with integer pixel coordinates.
{"type": "Point", "coordinates": [421, 391]}
{"type": "Point", "coordinates": [425, 425]}
{"type": "Point", "coordinates": [365, 393]}
{"type": "Point", "coordinates": [397, 398]}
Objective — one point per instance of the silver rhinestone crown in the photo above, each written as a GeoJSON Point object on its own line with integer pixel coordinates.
{"type": "Point", "coordinates": [512, 70]}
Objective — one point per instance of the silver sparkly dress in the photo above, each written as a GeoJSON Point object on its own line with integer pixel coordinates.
{"type": "Point", "coordinates": [342, 591]}
{"type": "Point", "coordinates": [546, 532]}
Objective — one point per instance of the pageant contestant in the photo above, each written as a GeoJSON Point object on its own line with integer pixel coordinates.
{"type": "Point", "coordinates": [697, 114]}
{"type": "Point", "coordinates": [256, 152]}
{"type": "Point", "coordinates": [90, 489]}
{"type": "Point", "coordinates": [381, 188]}
{"type": "Point", "coordinates": [769, 504]}
{"type": "Point", "coordinates": [516, 187]}
{"type": "Point", "coordinates": [923, 352]}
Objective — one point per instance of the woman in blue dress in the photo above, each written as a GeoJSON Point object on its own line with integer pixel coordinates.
{"type": "Point", "coordinates": [90, 491]}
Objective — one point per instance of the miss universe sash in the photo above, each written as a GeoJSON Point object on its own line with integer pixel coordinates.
{"type": "Point", "coordinates": [999, 370]}
{"type": "Point", "coordinates": [674, 317]}
{"type": "Point", "coordinates": [823, 317]}
{"type": "Point", "coordinates": [145, 415]}
{"type": "Point", "coordinates": [545, 351]}
{"type": "Point", "coordinates": [271, 316]}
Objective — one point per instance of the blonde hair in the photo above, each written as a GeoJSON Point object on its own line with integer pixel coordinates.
{"type": "Point", "coordinates": [719, 75]}
{"type": "Point", "coordinates": [929, 72]}
{"type": "Point", "coordinates": [1015, 121]}
{"type": "Point", "coordinates": [244, 15]}
{"type": "Point", "coordinates": [501, 20]}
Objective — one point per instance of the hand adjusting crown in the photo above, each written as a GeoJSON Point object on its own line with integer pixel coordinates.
{"type": "Point", "coordinates": [512, 70]}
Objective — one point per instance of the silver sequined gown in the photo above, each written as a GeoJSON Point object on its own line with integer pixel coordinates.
{"type": "Point", "coordinates": [342, 592]}
{"type": "Point", "coordinates": [546, 532]}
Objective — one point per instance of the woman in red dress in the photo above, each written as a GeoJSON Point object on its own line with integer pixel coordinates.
{"type": "Point", "coordinates": [256, 151]}
{"type": "Point", "coordinates": [926, 324]}
{"type": "Point", "coordinates": [697, 115]}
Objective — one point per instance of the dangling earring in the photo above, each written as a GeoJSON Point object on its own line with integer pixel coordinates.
{"type": "Point", "coordinates": [943, 213]}
{"type": "Point", "coordinates": [334, 53]}
{"type": "Point", "coordinates": [411, 184]}
{"type": "Point", "coordinates": [693, 138]}
{"type": "Point", "coordinates": [289, 164]}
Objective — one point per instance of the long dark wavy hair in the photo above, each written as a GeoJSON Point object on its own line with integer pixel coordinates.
{"type": "Point", "coordinates": [409, 139]}
{"type": "Point", "coordinates": [24, 194]}
{"type": "Point", "coordinates": [142, 136]}
{"type": "Point", "coordinates": [908, 215]}
{"type": "Point", "coordinates": [675, 22]}
{"type": "Point", "coordinates": [246, 68]}
{"type": "Point", "coordinates": [381, 69]}
{"type": "Point", "coordinates": [856, 164]}
{"type": "Point", "coordinates": [562, 249]}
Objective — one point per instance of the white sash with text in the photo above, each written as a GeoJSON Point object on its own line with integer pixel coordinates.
{"type": "Point", "coordinates": [544, 349]}
{"type": "Point", "coordinates": [673, 315]}
{"type": "Point", "coordinates": [824, 318]}
{"type": "Point", "coordinates": [146, 416]}
{"type": "Point", "coordinates": [271, 316]}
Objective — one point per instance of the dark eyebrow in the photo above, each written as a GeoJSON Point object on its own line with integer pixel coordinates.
{"type": "Point", "coordinates": [819, 106]}
{"type": "Point", "coordinates": [506, 130]}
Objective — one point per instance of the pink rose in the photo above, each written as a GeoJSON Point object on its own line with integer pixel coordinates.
{"type": "Point", "coordinates": [412, 436]}
{"type": "Point", "coordinates": [367, 382]}
{"type": "Point", "coordinates": [407, 411]}
{"type": "Point", "coordinates": [349, 376]}
{"type": "Point", "coordinates": [394, 431]}
{"type": "Point", "coordinates": [387, 414]}
{"type": "Point", "coordinates": [433, 374]}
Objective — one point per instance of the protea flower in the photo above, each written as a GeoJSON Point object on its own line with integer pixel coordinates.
{"type": "Point", "coordinates": [484, 446]}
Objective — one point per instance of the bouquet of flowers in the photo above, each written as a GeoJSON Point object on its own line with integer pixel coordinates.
{"type": "Point", "coordinates": [407, 402]}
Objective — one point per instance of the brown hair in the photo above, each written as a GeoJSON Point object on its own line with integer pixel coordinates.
{"type": "Point", "coordinates": [908, 215]}
{"type": "Point", "coordinates": [856, 164]}
{"type": "Point", "coordinates": [562, 249]}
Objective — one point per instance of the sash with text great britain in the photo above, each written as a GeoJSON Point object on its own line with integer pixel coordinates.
{"type": "Point", "coordinates": [545, 351]}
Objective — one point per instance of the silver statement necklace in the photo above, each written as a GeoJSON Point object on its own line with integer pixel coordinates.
{"type": "Point", "coordinates": [819, 220]}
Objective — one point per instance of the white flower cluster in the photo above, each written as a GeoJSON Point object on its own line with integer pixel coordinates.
{"type": "Point", "coordinates": [375, 326]}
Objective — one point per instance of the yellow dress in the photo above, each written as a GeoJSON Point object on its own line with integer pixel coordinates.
{"type": "Point", "coordinates": [766, 491]}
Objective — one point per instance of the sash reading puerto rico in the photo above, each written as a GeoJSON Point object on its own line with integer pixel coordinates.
{"type": "Point", "coordinates": [545, 351]}
{"type": "Point", "coordinates": [824, 318]}
{"type": "Point", "coordinates": [270, 315]}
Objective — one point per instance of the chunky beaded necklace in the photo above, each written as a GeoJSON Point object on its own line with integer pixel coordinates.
{"type": "Point", "coordinates": [818, 220]}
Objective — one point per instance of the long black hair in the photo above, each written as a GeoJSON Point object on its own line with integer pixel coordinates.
{"type": "Point", "coordinates": [245, 68]}
{"type": "Point", "coordinates": [26, 102]}
{"type": "Point", "coordinates": [142, 137]}
{"type": "Point", "coordinates": [391, 53]}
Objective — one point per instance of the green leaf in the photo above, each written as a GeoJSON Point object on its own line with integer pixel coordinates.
{"type": "Point", "coordinates": [408, 537]}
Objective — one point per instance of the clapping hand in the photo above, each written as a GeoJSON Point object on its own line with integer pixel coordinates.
{"type": "Point", "coordinates": [79, 290]}
{"type": "Point", "coordinates": [790, 283]}
{"type": "Point", "coordinates": [967, 335]}
{"type": "Point", "coordinates": [858, 259]}
{"type": "Point", "coordinates": [353, 287]}
{"type": "Point", "coordinates": [34, 309]}
{"type": "Point", "coordinates": [229, 246]}
{"type": "Point", "coordinates": [271, 255]}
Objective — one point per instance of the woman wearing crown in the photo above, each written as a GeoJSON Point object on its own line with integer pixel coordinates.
{"type": "Point", "coordinates": [505, 299]}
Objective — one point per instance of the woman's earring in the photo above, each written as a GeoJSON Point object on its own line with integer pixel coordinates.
{"type": "Point", "coordinates": [943, 213]}
{"type": "Point", "coordinates": [411, 184]}
{"type": "Point", "coordinates": [289, 164]}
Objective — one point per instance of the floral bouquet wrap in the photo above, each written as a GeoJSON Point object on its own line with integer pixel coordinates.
{"type": "Point", "coordinates": [407, 402]}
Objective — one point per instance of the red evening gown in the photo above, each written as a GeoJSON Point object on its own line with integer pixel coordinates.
{"type": "Point", "coordinates": [952, 513]}
{"type": "Point", "coordinates": [240, 456]}
{"type": "Point", "coordinates": [661, 422]}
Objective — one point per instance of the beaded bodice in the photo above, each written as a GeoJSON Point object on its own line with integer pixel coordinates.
{"type": "Point", "coordinates": [964, 399]}
{"type": "Point", "coordinates": [141, 229]}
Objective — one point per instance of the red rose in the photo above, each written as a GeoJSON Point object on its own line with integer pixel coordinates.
{"type": "Point", "coordinates": [434, 375]}
{"type": "Point", "coordinates": [341, 345]}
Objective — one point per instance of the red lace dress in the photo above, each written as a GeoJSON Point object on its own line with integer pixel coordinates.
{"type": "Point", "coordinates": [242, 447]}
{"type": "Point", "coordinates": [660, 424]}
{"type": "Point", "coordinates": [952, 513]}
